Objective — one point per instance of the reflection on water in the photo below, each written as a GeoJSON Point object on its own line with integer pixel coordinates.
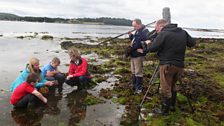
{"type": "Point", "coordinates": [33, 115]}
{"type": "Point", "coordinates": [28, 117]}
{"type": "Point", "coordinates": [76, 106]}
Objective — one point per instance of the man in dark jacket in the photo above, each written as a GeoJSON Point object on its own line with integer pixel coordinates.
{"type": "Point", "coordinates": [170, 45]}
{"type": "Point", "coordinates": [136, 57]}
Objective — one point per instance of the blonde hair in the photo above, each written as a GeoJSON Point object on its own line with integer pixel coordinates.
{"type": "Point", "coordinates": [31, 64]}
{"type": "Point", "coordinates": [56, 60]}
{"type": "Point", "coordinates": [74, 53]}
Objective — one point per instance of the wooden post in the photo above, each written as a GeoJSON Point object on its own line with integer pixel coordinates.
{"type": "Point", "coordinates": [166, 14]}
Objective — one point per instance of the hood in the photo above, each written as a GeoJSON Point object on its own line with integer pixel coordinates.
{"type": "Point", "coordinates": [172, 28]}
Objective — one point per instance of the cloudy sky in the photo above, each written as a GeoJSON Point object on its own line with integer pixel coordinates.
{"type": "Point", "coordinates": [187, 13]}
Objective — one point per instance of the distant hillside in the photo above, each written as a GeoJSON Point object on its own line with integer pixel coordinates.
{"type": "Point", "coordinates": [102, 20]}
{"type": "Point", "coordinates": [6, 16]}
{"type": "Point", "coordinates": [106, 20]}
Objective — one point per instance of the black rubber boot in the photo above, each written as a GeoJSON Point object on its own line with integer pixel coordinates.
{"type": "Point", "coordinates": [133, 82]}
{"type": "Point", "coordinates": [165, 106]}
{"type": "Point", "coordinates": [173, 101]}
{"type": "Point", "coordinates": [139, 82]}
{"type": "Point", "coordinates": [164, 109]}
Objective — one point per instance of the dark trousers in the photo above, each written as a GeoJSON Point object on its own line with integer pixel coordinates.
{"type": "Point", "coordinates": [79, 81]}
{"type": "Point", "coordinates": [29, 98]}
{"type": "Point", "coordinates": [59, 77]}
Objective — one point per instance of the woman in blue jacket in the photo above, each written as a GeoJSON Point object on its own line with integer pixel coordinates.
{"type": "Point", "coordinates": [31, 67]}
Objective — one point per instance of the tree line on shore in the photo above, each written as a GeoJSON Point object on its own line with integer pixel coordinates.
{"type": "Point", "coordinates": [102, 20]}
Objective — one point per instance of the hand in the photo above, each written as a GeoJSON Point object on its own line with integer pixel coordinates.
{"type": "Point", "coordinates": [148, 42]}
{"type": "Point", "coordinates": [56, 82]}
{"type": "Point", "coordinates": [49, 83]}
{"type": "Point", "coordinates": [69, 76]}
{"type": "Point", "coordinates": [56, 72]}
{"type": "Point", "coordinates": [45, 101]}
{"type": "Point", "coordinates": [130, 32]}
{"type": "Point", "coordinates": [140, 50]}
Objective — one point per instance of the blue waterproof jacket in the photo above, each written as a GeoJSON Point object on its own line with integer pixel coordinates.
{"type": "Point", "coordinates": [22, 78]}
{"type": "Point", "coordinates": [137, 38]}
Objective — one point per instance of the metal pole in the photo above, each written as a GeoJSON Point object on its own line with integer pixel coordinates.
{"type": "Point", "coordinates": [123, 34]}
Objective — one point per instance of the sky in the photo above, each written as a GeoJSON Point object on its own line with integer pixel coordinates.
{"type": "Point", "coordinates": [186, 13]}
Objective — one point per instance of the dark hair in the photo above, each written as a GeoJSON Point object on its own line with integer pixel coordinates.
{"type": "Point", "coordinates": [32, 77]}
{"type": "Point", "coordinates": [138, 21]}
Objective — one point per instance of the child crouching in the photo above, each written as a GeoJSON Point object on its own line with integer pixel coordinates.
{"type": "Point", "coordinates": [25, 93]}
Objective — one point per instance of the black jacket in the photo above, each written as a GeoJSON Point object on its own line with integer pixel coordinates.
{"type": "Point", "coordinates": [170, 45]}
{"type": "Point", "coordinates": [137, 38]}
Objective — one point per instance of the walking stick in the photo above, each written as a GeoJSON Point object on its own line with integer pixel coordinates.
{"type": "Point", "coordinates": [123, 34]}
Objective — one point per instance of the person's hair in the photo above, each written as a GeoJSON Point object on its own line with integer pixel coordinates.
{"type": "Point", "coordinates": [32, 77]}
{"type": "Point", "coordinates": [74, 53]}
{"type": "Point", "coordinates": [31, 64]}
{"type": "Point", "coordinates": [162, 22]}
{"type": "Point", "coordinates": [56, 60]}
{"type": "Point", "coordinates": [138, 21]}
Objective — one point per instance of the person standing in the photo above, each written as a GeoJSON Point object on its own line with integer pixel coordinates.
{"type": "Point", "coordinates": [170, 45]}
{"type": "Point", "coordinates": [136, 57]}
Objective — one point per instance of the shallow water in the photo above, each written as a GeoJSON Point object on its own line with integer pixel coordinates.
{"type": "Point", "coordinates": [14, 28]}
{"type": "Point", "coordinates": [66, 108]}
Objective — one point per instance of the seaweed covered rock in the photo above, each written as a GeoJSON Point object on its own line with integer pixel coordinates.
{"type": "Point", "coordinates": [47, 37]}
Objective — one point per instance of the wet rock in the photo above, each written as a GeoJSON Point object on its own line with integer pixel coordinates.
{"type": "Point", "coordinates": [20, 37]}
{"type": "Point", "coordinates": [47, 37]}
{"type": "Point", "coordinates": [70, 44]}
{"type": "Point", "coordinates": [56, 51]}
{"type": "Point", "coordinates": [44, 32]}
{"type": "Point", "coordinates": [105, 93]}
{"type": "Point", "coordinates": [131, 116]}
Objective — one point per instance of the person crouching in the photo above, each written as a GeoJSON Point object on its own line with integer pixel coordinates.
{"type": "Point", "coordinates": [51, 72]}
{"type": "Point", "coordinates": [78, 73]}
{"type": "Point", "coordinates": [25, 93]}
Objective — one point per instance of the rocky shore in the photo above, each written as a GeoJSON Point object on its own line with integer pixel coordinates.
{"type": "Point", "coordinates": [203, 83]}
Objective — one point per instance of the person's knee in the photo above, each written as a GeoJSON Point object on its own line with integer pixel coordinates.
{"type": "Point", "coordinates": [84, 79]}
{"type": "Point", "coordinates": [50, 78]}
{"type": "Point", "coordinates": [59, 76]}
{"type": "Point", "coordinates": [32, 98]}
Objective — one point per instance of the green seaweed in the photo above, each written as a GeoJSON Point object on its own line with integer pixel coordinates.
{"type": "Point", "coordinates": [92, 100]}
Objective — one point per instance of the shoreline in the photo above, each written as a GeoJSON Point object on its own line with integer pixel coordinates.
{"type": "Point", "coordinates": [204, 73]}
